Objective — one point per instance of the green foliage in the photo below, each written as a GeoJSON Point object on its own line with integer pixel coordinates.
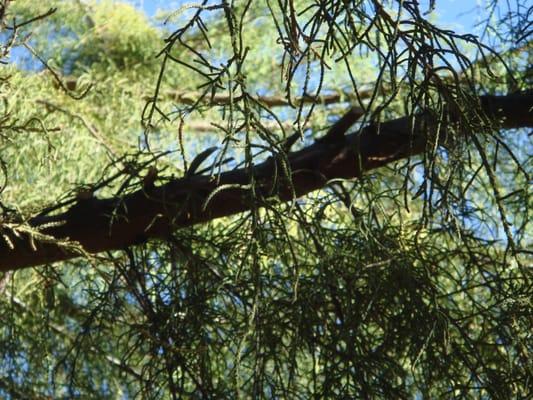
{"type": "Point", "coordinates": [119, 35]}
{"type": "Point", "coordinates": [410, 282]}
{"type": "Point", "coordinates": [95, 35]}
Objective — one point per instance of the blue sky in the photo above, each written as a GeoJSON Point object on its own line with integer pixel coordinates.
{"type": "Point", "coordinates": [460, 15]}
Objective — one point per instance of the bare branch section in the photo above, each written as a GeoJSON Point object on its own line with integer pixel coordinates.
{"type": "Point", "coordinates": [190, 98]}
{"type": "Point", "coordinates": [154, 212]}
{"type": "Point", "coordinates": [270, 101]}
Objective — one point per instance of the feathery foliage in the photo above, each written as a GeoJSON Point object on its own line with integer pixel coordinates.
{"type": "Point", "coordinates": [412, 281]}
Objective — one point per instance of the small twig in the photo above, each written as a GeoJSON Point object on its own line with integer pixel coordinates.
{"type": "Point", "coordinates": [92, 130]}
{"type": "Point", "coordinates": [56, 75]}
{"type": "Point", "coordinates": [36, 18]}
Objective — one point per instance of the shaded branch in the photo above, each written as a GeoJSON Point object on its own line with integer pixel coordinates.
{"type": "Point", "coordinates": [154, 213]}
{"type": "Point", "coordinates": [189, 98]}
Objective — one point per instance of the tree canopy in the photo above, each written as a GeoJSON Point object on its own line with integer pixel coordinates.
{"type": "Point", "coordinates": [264, 199]}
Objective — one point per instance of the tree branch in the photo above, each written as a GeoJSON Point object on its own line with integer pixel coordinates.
{"type": "Point", "coordinates": [154, 212]}
{"type": "Point", "coordinates": [189, 98]}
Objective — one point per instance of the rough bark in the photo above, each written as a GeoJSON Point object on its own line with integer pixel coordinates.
{"type": "Point", "coordinates": [150, 213]}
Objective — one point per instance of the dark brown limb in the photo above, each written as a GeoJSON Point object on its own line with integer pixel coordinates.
{"type": "Point", "coordinates": [337, 131]}
{"type": "Point", "coordinates": [116, 223]}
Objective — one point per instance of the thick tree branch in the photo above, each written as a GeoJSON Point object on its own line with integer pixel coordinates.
{"type": "Point", "coordinates": [115, 223]}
